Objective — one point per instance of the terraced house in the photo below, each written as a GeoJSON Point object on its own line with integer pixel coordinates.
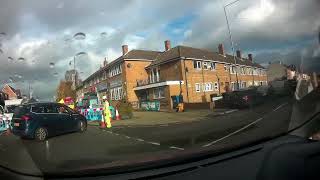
{"type": "Point", "coordinates": [197, 74]}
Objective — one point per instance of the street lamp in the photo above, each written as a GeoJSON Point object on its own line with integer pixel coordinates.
{"type": "Point", "coordinates": [231, 40]}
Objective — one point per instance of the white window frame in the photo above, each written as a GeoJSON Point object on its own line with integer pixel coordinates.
{"type": "Point", "coordinates": [213, 66]}
{"type": "Point", "coordinates": [197, 87]}
{"type": "Point", "coordinates": [205, 65]}
{"type": "Point", "coordinates": [242, 84]}
{"type": "Point", "coordinates": [233, 86]}
{"type": "Point", "coordinates": [198, 64]}
{"type": "Point", "coordinates": [157, 93]}
{"type": "Point", "coordinates": [208, 87]}
{"type": "Point", "coordinates": [233, 69]}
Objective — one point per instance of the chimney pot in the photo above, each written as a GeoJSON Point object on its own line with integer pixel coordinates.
{"type": "Point", "coordinates": [239, 54]}
{"type": "Point", "coordinates": [105, 62]}
{"type": "Point", "coordinates": [221, 49]}
{"type": "Point", "coordinates": [167, 45]}
{"type": "Point", "coordinates": [250, 57]}
{"type": "Point", "coordinates": [124, 49]}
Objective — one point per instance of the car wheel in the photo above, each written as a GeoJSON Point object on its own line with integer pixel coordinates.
{"type": "Point", "coordinates": [41, 134]}
{"type": "Point", "coordinates": [82, 126]}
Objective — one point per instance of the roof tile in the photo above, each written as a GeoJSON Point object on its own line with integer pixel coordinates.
{"type": "Point", "coordinates": [196, 53]}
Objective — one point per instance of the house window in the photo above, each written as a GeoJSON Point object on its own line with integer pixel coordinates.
{"type": "Point", "coordinates": [197, 64]}
{"type": "Point", "coordinates": [242, 70]}
{"type": "Point", "coordinates": [158, 93]}
{"type": "Point", "coordinates": [198, 87]}
{"type": "Point", "coordinates": [216, 86]}
{"type": "Point", "coordinates": [261, 83]}
{"type": "Point", "coordinates": [249, 71]}
{"type": "Point", "coordinates": [205, 65]}
{"type": "Point", "coordinates": [243, 84]}
{"type": "Point", "coordinates": [232, 86]}
{"type": "Point", "coordinates": [212, 66]}
{"type": "Point", "coordinates": [226, 68]}
{"type": "Point", "coordinates": [233, 69]}
{"type": "Point", "coordinates": [208, 87]}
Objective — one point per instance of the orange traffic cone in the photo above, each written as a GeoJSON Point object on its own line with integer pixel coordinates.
{"type": "Point", "coordinates": [102, 125]}
{"type": "Point", "coordinates": [117, 114]}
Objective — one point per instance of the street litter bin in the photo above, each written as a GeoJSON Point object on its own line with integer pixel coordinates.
{"type": "Point", "coordinates": [178, 103]}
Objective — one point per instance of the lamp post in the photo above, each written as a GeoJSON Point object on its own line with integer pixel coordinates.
{"type": "Point", "coordinates": [231, 40]}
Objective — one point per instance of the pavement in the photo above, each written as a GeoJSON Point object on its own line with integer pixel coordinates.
{"type": "Point", "coordinates": [146, 118]}
{"type": "Point", "coordinates": [148, 136]}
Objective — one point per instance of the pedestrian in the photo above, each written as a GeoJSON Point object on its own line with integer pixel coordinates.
{"type": "Point", "coordinates": [106, 112]}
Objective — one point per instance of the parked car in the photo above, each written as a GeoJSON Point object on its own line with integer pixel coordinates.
{"type": "Point", "coordinates": [243, 98]}
{"type": "Point", "coordinates": [42, 120]}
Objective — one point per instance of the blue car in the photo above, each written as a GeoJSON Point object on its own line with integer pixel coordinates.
{"type": "Point", "coordinates": [42, 120]}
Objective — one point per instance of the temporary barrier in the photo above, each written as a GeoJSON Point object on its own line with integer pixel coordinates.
{"type": "Point", "coordinates": [5, 123]}
{"type": "Point", "coordinates": [92, 114]}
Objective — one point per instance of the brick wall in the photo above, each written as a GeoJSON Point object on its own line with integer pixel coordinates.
{"type": "Point", "coordinates": [219, 75]}
{"type": "Point", "coordinates": [131, 73]}
{"type": "Point", "coordinates": [171, 71]}
{"type": "Point", "coordinates": [11, 95]}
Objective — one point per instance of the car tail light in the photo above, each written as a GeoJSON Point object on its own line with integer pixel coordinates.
{"type": "Point", "coordinates": [25, 118]}
{"type": "Point", "coordinates": [246, 98]}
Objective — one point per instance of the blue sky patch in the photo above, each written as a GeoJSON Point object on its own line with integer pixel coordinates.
{"type": "Point", "coordinates": [175, 29]}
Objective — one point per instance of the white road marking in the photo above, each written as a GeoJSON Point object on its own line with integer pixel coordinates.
{"type": "Point", "coordinates": [128, 137]}
{"type": "Point", "coordinates": [154, 143]}
{"type": "Point", "coordinates": [231, 111]}
{"type": "Point", "coordinates": [280, 106]}
{"type": "Point", "coordinates": [174, 147]}
{"type": "Point", "coordinates": [228, 112]}
{"type": "Point", "coordinates": [235, 132]}
{"type": "Point", "coordinates": [138, 139]}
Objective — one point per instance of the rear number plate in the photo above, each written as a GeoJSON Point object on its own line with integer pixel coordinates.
{"type": "Point", "coordinates": [16, 124]}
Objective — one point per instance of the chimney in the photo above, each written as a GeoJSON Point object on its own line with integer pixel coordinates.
{"type": "Point", "coordinates": [124, 49]}
{"type": "Point", "coordinates": [250, 57]}
{"type": "Point", "coordinates": [239, 54]}
{"type": "Point", "coordinates": [167, 45]}
{"type": "Point", "coordinates": [221, 49]}
{"type": "Point", "coordinates": [105, 62]}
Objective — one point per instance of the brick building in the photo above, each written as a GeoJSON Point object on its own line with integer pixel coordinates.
{"type": "Point", "coordinates": [140, 76]}
{"type": "Point", "coordinates": [117, 79]}
{"type": "Point", "coordinates": [11, 92]}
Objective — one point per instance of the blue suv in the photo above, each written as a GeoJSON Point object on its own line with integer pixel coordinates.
{"type": "Point", "coordinates": [42, 120]}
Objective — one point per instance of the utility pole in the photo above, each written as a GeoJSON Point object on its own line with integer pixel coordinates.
{"type": "Point", "coordinates": [231, 41]}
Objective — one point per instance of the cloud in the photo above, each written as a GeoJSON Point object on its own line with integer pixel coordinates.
{"type": "Point", "coordinates": [42, 32]}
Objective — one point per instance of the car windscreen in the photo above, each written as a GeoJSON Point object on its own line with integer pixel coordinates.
{"type": "Point", "coordinates": [20, 111]}
{"type": "Point", "coordinates": [11, 109]}
{"type": "Point", "coordinates": [154, 78]}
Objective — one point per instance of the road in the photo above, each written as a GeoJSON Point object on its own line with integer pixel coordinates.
{"type": "Point", "coordinates": [96, 146]}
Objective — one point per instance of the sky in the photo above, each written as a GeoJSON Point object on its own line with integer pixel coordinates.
{"type": "Point", "coordinates": [35, 33]}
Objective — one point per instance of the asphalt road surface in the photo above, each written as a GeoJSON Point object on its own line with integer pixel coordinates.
{"type": "Point", "coordinates": [97, 146]}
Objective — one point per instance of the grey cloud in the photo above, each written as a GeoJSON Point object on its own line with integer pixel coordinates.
{"type": "Point", "coordinates": [49, 20]}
